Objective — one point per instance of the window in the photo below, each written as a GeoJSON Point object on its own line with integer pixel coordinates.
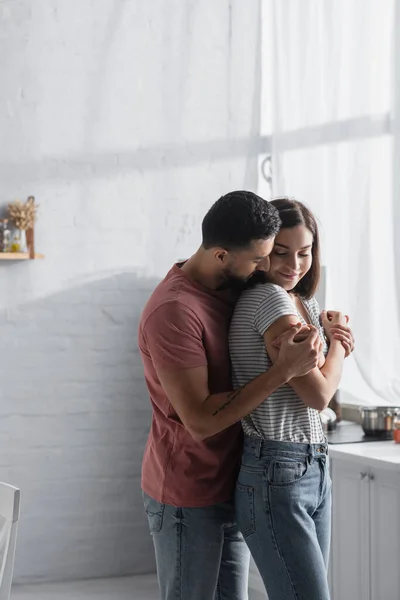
{"type": "Point", "coordinates": [330, 140]}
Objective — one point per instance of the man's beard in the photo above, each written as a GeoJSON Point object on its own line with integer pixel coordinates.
{"type": "Point", "coordinates": [256, 278]}
{"type": "Point", "coordinates": [235, 282]}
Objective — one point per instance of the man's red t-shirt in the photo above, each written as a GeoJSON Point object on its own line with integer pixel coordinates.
{"type": "Point", "coordinates": [185, 325]}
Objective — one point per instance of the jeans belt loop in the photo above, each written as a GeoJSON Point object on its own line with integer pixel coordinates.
{"type": "Point", "coordinates": [257, 450]}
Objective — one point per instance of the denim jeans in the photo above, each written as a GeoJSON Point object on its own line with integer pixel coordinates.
{"type": "Point", "coordinates": [283, 508]}
{"type": "Point", "coordinates": [200, 552]}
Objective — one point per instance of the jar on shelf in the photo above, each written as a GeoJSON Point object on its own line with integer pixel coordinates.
{"type": "Point", "coordinates": [396, 427]}
{"type": "Point", "coordinates": [5, 236]}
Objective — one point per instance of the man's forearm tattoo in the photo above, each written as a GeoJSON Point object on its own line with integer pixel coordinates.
{"type": "Point", "coordinates": [231, 397]}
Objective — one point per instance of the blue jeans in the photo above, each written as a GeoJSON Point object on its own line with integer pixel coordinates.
{"type": "Point", "coordinates": [283, 508]}
{"type": "Point", "coordinates": [200, 552]}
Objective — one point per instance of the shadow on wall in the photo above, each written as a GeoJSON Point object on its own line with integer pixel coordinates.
{"type": "Point", "coordinates": [74, 420]}
{"type": "Point", "coordinates": [162, 156]}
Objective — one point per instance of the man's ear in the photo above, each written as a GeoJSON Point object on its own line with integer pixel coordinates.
{"type": "Point", "coordinates": [220, 254]}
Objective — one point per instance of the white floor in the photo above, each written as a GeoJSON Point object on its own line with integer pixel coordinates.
{"type": "Point", "coordinates": [140, 587]}
{"type": "Point", "coordinates": [143, 587]}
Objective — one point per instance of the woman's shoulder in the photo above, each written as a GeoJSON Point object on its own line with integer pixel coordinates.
{"type": "Point", "coordinates": [262, 290]}
{"type": "Point", "coordinates": [262, 296]}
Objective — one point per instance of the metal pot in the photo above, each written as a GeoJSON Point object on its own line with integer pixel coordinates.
{"type": "Point", "coordinates": [378, 420]}
{"type": "Point", "coordinates": [328, 419]}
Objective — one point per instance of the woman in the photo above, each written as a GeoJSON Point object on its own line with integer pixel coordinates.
{"type": "Point", "coordinates": [283, 492]}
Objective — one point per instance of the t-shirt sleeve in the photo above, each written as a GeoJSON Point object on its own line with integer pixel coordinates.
{"type": "Point", "coordinates": [274, 305]}
{"type": "Point", "coordinates": [315, 308]}
{"type": "Point", "coordinates": [174, 337]}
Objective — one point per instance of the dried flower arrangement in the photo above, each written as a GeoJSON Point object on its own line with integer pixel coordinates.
{"type": "Point", "coordinates": [23, 214]}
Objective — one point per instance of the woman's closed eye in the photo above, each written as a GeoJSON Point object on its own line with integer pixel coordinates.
{"type": "Point", "coordinates": [303, 255]}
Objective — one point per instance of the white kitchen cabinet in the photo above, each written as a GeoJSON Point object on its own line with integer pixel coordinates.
{"type": "Point", "coordinates": [350, 532]}
{"type": "Point", "coordinates": [385, 534]}
{"type": "Point", "coordinates": [366, 523]}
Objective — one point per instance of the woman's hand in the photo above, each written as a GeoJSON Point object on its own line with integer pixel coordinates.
{"type": "Point", "coordinates": [336, 327]}
{"type": "Point", "coordinates": [331, 318]}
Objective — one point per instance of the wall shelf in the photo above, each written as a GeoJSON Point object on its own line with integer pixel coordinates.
{"type": "Point", "coordinates": [19, 256]}
{"type": "Point", "coordinates": [30, 242]}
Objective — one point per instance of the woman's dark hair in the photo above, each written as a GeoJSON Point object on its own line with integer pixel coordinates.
{"type": "Point", "coordinates": [293, 213]}
{"type": "Point", "coordinates": [237, 219]}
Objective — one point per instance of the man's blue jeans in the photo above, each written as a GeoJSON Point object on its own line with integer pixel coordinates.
{"type": "Point", "coordinates": [200, 552]}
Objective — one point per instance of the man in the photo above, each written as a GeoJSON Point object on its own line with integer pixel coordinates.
{"type": "Point", "coordinates": [194, 446]}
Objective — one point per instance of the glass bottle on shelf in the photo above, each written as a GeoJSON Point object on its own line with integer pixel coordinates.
{"type": "Point", "coordinates": [5, 236]}
{"type": "Point", "coordinates": [1, 235]}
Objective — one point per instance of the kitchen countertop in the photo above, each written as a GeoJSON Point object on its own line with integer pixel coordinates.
{"type": "Point", "coordinates": [383, 454]}
{"type": "Point", "coordinates": [348, 432]}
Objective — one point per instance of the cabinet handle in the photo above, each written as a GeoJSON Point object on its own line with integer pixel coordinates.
{"type": "Point", "coordinates": [371, 477]}
{"type": "Point", "coordinates": [363, 475]}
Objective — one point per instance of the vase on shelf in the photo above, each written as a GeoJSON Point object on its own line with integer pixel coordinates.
{"type": "Point", "coordinates": [19, 241]}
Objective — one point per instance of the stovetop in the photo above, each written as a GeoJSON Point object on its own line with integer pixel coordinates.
{"type": "Point", "coordinates": [347, 432]}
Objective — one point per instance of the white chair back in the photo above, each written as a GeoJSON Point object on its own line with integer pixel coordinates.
{"type": "Point", "coordinates": [9, 515]}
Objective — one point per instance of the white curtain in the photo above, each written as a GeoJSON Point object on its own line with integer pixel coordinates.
{"type": "Point", "coordinates": [332, 146]}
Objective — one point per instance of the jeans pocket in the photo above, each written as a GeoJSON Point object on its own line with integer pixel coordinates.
{"type": "Point", "coordinates": [287, 472]}
{"type": "Point", "coordinates": [155, 513]}
{"type": "Point", "coordinates": [244, 508]}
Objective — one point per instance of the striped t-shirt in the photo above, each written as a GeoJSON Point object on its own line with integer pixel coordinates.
{"type": "Point", "coordinates": [282, 416]}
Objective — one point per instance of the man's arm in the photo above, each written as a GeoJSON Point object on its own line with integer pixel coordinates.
{"type": "Point", "coordinates": [204, 415]}
{"type": "Point", "coordinates": [317, 387]}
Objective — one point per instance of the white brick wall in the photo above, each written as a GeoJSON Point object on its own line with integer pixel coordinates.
{"type": "Point", "coordinates": [84, 127]}
{"type": "Point", "coordinates": [73, 425]}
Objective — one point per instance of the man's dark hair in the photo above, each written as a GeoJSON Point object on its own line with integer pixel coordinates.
{"type": "Point", "coordinates": [294, 213]}
{"type": "Point", "coordinates": [237, 219]}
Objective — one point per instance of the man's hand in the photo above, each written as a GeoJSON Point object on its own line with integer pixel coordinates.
{"type": "Point", "coordinates": [336, 327]}
{"type": "Point", "coordinates": [344, 334]}
{"type": "Point", "coordinates": [298, 358]}
{"type": "Point", "coordinates": [300, 336]}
